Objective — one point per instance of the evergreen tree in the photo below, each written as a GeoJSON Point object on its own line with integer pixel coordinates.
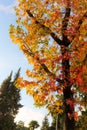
{"type": "Point", "coordinates": [33, 125]}
{"type": "Point", "coordinates": [20, 126]}
{"type": "Point", "coordinates": [4, 96]}
{"type": "Point", "coordinates": [45, 124]}
{"type": "Point", "coordinates": [9, 102]}
{"type": "Point", "coordinates": [7, 122]}
{"type": "Point", "coordinates": [15, 95]}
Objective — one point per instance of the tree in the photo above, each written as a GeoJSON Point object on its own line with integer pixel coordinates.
{"type": "Point", "coordinates": [9, 102]}
{"type": "Point", "coordinates": [7, 122]}
{"type": "Point", "coordinates": [20, 126]}
{"type": "Point", "coordinates": [33, 125]}
{"type": "Point", "coordinates": [3, 92]}
{"type": "Point", "coordinates": [45, 124]}
{"type": "Point", "coordinates": [52, 34]}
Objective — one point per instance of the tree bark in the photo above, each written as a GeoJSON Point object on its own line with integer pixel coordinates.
{"type": "Point", "coordinates": [68, 95]}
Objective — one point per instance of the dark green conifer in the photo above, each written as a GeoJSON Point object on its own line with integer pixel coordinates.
{"type": "Point", "coordinates": [9, 102]}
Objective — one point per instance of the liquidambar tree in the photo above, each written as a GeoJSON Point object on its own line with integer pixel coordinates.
{"type": "Point", "coordinates": [53, 36]}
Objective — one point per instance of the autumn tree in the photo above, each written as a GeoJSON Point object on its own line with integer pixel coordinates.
{"type": "Point", "coordinates": [53, 36]}
{"type": "Point", "coordinates": [9, 102]}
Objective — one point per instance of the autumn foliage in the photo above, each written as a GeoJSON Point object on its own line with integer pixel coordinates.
{"type": "Point", "coordinates": [53, 36]}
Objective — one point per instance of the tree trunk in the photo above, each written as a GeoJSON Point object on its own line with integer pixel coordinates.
{"type": "Point", "coordinates": [57, 123]}
{"type": "Point", "coordinates": [69, 122]}
{"type": "Point", "coordinates": [68, 95]}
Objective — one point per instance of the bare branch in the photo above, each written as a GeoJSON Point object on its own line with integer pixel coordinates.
{"type": "Point", "coordinates": [53, 35]}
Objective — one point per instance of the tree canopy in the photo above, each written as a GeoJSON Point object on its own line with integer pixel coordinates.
{"type": "Point", "coordinates": [53, 36]}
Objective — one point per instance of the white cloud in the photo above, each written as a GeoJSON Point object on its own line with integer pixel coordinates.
{"type": "Point", "coordinates": [27, 114]}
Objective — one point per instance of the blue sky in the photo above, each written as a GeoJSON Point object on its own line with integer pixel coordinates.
{"type": "Point", "coordinates": [11, 59]}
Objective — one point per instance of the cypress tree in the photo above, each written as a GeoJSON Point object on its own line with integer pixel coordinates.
{"type": "Point", "coordinates": [9, 102]}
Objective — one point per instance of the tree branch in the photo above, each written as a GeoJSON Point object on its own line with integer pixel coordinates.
{"type": "Point", "coordinates": [42, 64]}
{"type": "Point", "coordinates": [53, 35]}
{"type": "Point", "coordinates": [65, 21]}
{"type": "Point", "coordinates": [80, 22]}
